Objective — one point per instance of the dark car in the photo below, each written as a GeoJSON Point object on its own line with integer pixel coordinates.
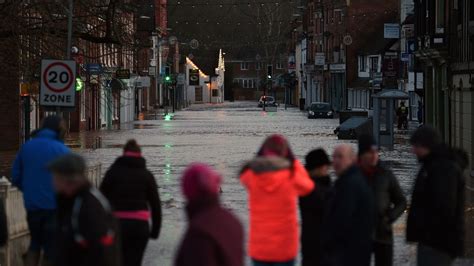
{"type": "Point", "coordinates": [353, 127]}
{"type": "Point", "coordinates": [320, 110]}
{"type": "Point", "coordinates": [269, 101]}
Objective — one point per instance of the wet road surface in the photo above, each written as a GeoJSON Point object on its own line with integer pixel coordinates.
{"type": "Point", "coordinates": [225, 136]}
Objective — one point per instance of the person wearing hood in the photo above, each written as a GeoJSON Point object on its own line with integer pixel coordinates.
{"type": "Point", "coordinates": [214, 236]}
{"type": "Point", "coordinates": [390, 203]}
{"type": "Point", "coordinates": [31, 175]}
{"type": "Point", "coordinates": [87, 229]}
{"type": "Point", "coordinates": [436, 216]}
{"type": "Point", "coordinates": [274, 181]}
{"type": "Point", "coordinates": [133, 193]}
{"type": "Point", "coordinates": [313, 207]}
{"type": "Point", "coordinates": [349, 222]}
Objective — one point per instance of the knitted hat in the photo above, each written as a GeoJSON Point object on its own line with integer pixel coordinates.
{"type": "Point", "coordinates": [426, 136]}
{"type": "Point", "coordinates": [316, 158]}
{"type": "Point", "coordinates": [366, 144]}
{"type": "Point", "coordinates": [200, 180]}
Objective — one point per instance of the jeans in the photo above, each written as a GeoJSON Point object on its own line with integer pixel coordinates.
{"type": "Point", "coordinates": [42, 226]}
{"type": "Point", "coordinates": [262, 263]}
{"type": "Point", "coordinates": [428, 256]}
{"type": "Point", "coordinates": [383, 254]}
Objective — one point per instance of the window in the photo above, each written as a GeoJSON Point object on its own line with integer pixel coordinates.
{"type": "Point", "coordinates": [258, 66]}
{"type": "Point", "coordinates": [244, 66]}
{"type": "Point", "coordinates": [440, 14]}
{"type": "Point", "coordinates": [374, 64]}
{"type": "Point", "coordinates": [279, 65]}
{"type": "Point", "coordinates": [362, 63]}
{"type": "Point", "coordinates": [245, 82]}
{"type": "Point", "coordinates": [471, 13]}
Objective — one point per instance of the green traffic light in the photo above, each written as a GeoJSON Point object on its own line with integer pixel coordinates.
{"type": "Point", "coordinates": [167, 78]}
{"type": "Point", "coordinates": [79, 84]}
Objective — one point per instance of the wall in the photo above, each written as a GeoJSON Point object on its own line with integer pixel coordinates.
{"type": "Point", "coordinates": [10, 99]}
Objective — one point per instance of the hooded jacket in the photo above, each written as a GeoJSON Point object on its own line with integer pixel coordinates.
{"type": "Point", "coordinates": [214, 236]}
{"type": "Point", "coordinates": [30, 173]}
{"type": "Point", "coordinates": [129, 186]}
{"type": "Point", "coordinates": [436, 216]}
{"type": "Point", "coordinates": [273, 188]}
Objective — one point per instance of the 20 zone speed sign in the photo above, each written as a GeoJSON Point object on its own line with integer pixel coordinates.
{"type": "Point", "coordinates": [58, 80]}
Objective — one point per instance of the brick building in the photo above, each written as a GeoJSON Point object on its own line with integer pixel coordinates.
{"type": "Point", "coordinates": [332, 36]}
{"type": "Point", "coordinates": [250, 78]}
{"type": "Point", "coordinates": [104, 101]}
{"type": "Point", "coordinates": [444, 32]}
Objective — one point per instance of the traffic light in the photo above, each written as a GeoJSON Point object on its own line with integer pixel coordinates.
{"type": "Point", "coordinates": [168, 79]}
{"type": "Point", "coordinates": [79, 84]}
{"type": "Point", "coordinates": [269, 72]}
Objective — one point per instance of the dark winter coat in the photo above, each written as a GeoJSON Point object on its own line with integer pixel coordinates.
{"type": "Point", "coordinates": [129, 186]}
{"type": "Point", "coordinates": [312, 210]}
{"type": "Point", "coordinates": [349, 223]}
{"type": "Point", "coordinates": [214, 237]}
{"type": "Point", "coordinates": [87, 231]}
{"type": "Point", "coordinates": [390, 203]}
{"type": "Point", "coordinates": [436, 216]}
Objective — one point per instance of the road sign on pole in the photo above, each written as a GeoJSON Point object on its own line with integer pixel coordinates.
{"type": "Point", "coordinates": [58, 81]}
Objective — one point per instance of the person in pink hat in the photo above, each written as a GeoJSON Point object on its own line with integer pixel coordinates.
{"type": "Point", "coordinates": [214, 236]}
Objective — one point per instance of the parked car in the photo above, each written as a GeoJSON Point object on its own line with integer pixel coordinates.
{"type": "Point", "coordinates": [269, 101]}
{"type": "Point", "coordinates": [320, 110]}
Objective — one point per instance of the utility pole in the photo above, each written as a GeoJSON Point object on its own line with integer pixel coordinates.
{"type": "Point", "coordinates": [70, 11]}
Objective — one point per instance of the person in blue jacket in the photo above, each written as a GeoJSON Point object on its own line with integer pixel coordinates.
{"type": "Point", "coordinates": [31, 175]}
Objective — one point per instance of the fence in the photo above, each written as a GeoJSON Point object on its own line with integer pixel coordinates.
{"type": "Point", "coordinates": [16, 214]}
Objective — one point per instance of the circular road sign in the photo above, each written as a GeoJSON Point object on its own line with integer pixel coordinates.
{"type": "Point", "coordinates": [194, 44]}
{"type": "Point", "coordinates": [58, 77]}
{"type": "Point", "coordinates": [347, 40]}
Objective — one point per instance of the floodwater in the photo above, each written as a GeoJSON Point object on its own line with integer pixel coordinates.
{"type": "Point", "coordinates": [225, 136]}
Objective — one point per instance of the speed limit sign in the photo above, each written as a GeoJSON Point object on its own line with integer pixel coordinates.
{"type": "Point", "coordinates": [58, 80]}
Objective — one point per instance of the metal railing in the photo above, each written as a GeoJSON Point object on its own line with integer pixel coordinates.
{"type": "Point", "coordinates": [16, 214]}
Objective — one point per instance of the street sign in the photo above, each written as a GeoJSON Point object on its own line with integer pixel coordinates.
{"type": "Point", "coordinates": [391, 31]}
{"type": "Point", "coordinates": [94, 69]}
{"type": "Point", "coordinates": [320, 59]}
{"type": "Point", "coordinates": [122, 74]}
{"type": "Point", "coordinates": [58, 78]}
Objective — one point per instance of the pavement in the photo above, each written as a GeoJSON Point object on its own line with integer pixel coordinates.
{"type": "Point", "coordinates": [225, 136]}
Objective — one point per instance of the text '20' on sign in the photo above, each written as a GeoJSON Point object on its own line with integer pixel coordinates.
{"type": "Point", "coordinates": [58, 80]}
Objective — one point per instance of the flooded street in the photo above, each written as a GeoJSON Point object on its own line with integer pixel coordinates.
{"type": "Point", "coordinates": [225, 136]}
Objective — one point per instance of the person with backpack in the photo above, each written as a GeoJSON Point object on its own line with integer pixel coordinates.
{"type": "Point", "coordinates": [133, 193]}
{"type": "Point", "coordinates": [313, 207]}
{"type": "Point", "coordinates": [88, 232]}
{"type": "Point", "coordinates": [32, 177]}
{"type": "Point", "coordinates": [274, 180]}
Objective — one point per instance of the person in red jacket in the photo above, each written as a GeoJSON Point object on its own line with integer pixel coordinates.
{"type": "Point", "coordinates": [274, 181]}
{"type": "Point", "coordinates": [214, 236]}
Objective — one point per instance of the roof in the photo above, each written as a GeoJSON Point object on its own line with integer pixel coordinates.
{"type": "Point", "coordinates": [392, 94]}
